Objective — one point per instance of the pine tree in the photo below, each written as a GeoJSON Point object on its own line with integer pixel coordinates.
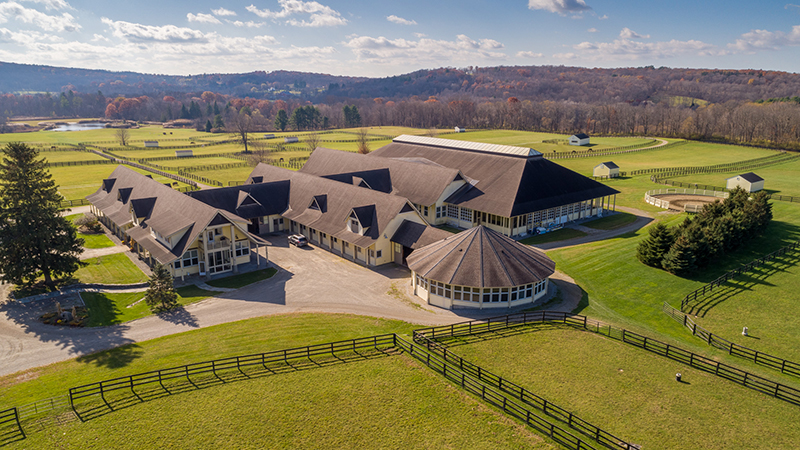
{"type": "Point", "coordinates": [160, 295]}
{"type": "Point", "coordinates": [208, 126]}
{"type": "Point", "coordinates": [652, 250]}
{"type": "Point", "coordinates": [281, 120]}
{"type": "Point", "coordinates": [218, 123]}
{"type": "Point", "coordinates": [34, 238]}
{"type": "Point", "coordinates": [680, 259]}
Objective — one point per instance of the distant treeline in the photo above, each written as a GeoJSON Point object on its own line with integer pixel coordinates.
{"type": "Point", "coordinates": [770, 123]}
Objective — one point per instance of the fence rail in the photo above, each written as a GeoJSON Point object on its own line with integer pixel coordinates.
{"type": "Point", "coordinates": [508, 405]}
{"type": "Point", "coordinates": [782, 198]}
{"type": "Point", "coordinates": [747, 379]}
{"type": "Point", "coordinates": [744, 268]}
{"type": "Point", "coordinates": [765, 359]}
{"type": "Point", "coordinates": [727, 167]}
{"type": "Point", "coordinates": [650, 197]}
{"type": "Point", "coordinates": [79, 163]}
{"type": "Point", "coordinates": [9, 424]}
{"type": "Point", "coordinates": [612, 151]}
{"type": "Point", "coordinates": [101, 388]}
{"type": "Point", "coordinates": [529, 398]}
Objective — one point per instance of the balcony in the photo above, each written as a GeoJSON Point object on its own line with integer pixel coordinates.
{"type": "Point", "coordinates": [216, 244]}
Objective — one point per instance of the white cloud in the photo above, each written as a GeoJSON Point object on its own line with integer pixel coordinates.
{"type": "Point", "coordinates": [627, 33]}
{"type": "Point", "coordinates": [64, 22]}
{"type": "Point", "coordinates": [603, 17]}
{"type": "Point", "coordinates": [400, 20]}
{"type": "Point", "coordinates": [319, 14]}
{"type": "Point", "coordinates": [223, 12]}
{"type": "Point", "coordinates": [565, 56]}
{"type": "Point", "coordinates": [559, 6]}
{"type": "Point", "coordinates": [382, 50]}
{"type": "Point", "coordinates": [592, 30]}
{"type": "Point", "coordinates": [147, 33]}
{"type": "Point", "coordinates": [420, 35]}
{"type": "Point", "coordinates": [51, 4]}
{"type": "Point", "coordinates": [99, 38]}
{"type": "Point", "coordinates": [766, 40]}
{"type": "Point", "coordinates": [202, 18]}
{"type": "Point", "coordinates": [529, 55]}
{"type": "Point", "coordinates": [248, 24]}
{"type": "Point", "coordinates": [627, 49]}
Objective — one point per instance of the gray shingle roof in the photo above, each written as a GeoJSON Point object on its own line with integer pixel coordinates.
{"type": "Point", "coordinates": [581, 135]}
{"type": "Point", "coordinates": [751, 177]}
{"type": "Point", "coordinates": [393, 176]}
{"type": "Point", "coordinates": [481, 257]}
{"type": "Point", "coordinates": [416, 235]}
{"type": "Point", "coordinates": [248, 200]}
{"type": "Point", "coordinates": [374, 209]}
{"type": "Point", "coordinates": [504, 185]}
{"type": "Point", "coordinates": [610, 165]}
{"type": "Point", "coordinates": [169, 211]}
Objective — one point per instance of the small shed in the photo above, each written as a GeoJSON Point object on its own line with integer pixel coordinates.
{"type": "Point", "coordinates": [151, 143]}
{"type": "Point", "coordinates": [290, 139]}
{"type": "Point", "coordinates": [183, 153]}
{"type": "Point", "coordinates": [460, 129]}
{"type": "Point", "coordinates": [579, 139]}
{"type": "Point", "coordinates": [606, 170]}
{"type": "Point", "coordinates": [480, 268]}
{"type": "Point", "coordinates": [269, 136]}
{"type": "Point", "coordinates": [750, 182]}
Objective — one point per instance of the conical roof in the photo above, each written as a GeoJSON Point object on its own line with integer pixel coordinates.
{"type": "Point", "coordinates": [481, 257]}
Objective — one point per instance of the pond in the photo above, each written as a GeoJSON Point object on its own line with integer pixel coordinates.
{"type": "Point", "coordinates": [79, 127]}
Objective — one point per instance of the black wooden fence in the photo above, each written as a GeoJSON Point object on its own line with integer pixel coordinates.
{"type": "Point", "coordinates": [215, 367]}
{"type": "Point", "coordinates": [727, 167]}
{"type": "Point", "coordinates": [765, 359]}
{"type": "Point", "coordinates": [10, 427]}
{"type": "Point", "coordinates": [611, 151]}
{"type": "Point", "coordinates": [655, 179]}
{"type": "Point", "coordinates": [79, 163]}
{"type": "Point", "coordinates": [744, 268]}
{"type": "Point", "coordinates": [527, 397]}
{"type": "Point", "coordinates": [747, 379]}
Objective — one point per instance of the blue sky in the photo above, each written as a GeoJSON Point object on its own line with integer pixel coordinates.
{"type": "Point", "coordinates": [369, 38]}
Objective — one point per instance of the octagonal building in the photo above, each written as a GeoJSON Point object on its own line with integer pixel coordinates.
{"type": "Point", "coordinates": [480, 268]}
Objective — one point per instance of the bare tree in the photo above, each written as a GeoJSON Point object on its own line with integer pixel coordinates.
{"type": "Point", "coordinates": [312, 141]}
{"type": "Point", "coordinates": [244, 125]}
{"type": "Point", "coordinates": [361, 138]}
{"type": "Point", "coordinates": [123, 135]}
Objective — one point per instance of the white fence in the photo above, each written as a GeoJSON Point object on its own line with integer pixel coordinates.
{"type": "Point", "coordinates": [650, 197]}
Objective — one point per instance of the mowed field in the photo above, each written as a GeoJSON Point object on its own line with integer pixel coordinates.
{"type": "Point", "coordinates": [625, 390]}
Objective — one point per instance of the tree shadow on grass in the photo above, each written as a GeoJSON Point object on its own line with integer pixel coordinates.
{"type": "Point", "coordinates": [743, 283]}
{"type": "Point", "coordinates": [114, 358]}
{"type": "Point", "coordinates": [123, 397]}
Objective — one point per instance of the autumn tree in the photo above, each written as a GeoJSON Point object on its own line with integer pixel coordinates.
{"type": "Point", "coordinates": [35, 239]}
{"type": "Point", "coordinates": [362, 136]}
{"type": "Point", "coordinates": [312, 141]}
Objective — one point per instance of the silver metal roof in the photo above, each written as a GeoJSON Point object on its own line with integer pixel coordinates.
{"type": "Point", "coordinates": [467, 145]}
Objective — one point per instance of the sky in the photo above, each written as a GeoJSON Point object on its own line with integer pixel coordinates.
{"type": "Point", "coordinates": [376, 39]}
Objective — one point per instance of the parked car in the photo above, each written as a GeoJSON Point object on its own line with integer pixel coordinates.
{"type": "Point", "coordinates": [298, 240]}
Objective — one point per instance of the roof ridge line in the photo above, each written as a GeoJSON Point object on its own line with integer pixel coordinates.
{"type": "Point", "coordinates": [458, 266]}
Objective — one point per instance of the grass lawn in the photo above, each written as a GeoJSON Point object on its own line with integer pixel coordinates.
{"type": "Point", "coordinates": [765, 301]}
{"type": "Point", "coordinates": [225, 176]}
{"type": "Point", "coordinates": [553, 236]}
{"type": "Point", "coordinates": [624, 291]}
{"type": "Point", "coordinates": [620, 219]}
{"type": "Point", "coordinates": [243, 279]}
{"type": "Point", "coordinates": [76, 182]}
{"type": "Point", "coordinates": [633, 394]}
{"type": "Point", "coordinates": [108, 309]}
{"type": "Point", "coordinates": [779, 179]}
{"type": "Point", "coordinates": [110, 269]}
{"type": "Point", "coordinates": [383, 402]}
{"type": "Point", "coordinates": [54, 157]}
{"type": "Point", "coordinates": [92, 240]}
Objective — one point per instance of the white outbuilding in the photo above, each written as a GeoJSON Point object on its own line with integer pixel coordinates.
{"type": "Point", "coordinates": [750, 182]}
{"type": "Point", "coordinates": [460, 129]}
{"type": "Point", "coordinates": [579, 139]}
{"type": "Point", "coordinates": [151, 144]}
{"type": "Point", "coordinates": [606, 170]}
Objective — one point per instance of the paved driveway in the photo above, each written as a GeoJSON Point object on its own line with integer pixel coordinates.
{"type": "Point", "coordinates": [309, 280]}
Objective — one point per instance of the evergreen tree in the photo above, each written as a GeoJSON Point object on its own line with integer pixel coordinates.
{"type": "Point", "coordinates": [209, 111]}
{"type": "Point", "coordinates": [160, 295]}
{"type": "Point", "coordinates": [699, 244]}
{"type": "Point", "coordinates": [184, 112]}
{"type": "Point", "coordinates": [218, 123]}
{"type": "Point", "coordinates": [194, 110]}
{"type": "Point", "coordinates": [216, 109]}
{"type": "Point", "coordinates": [652, 250]}
{"type": "Point", "coordinates": [208, 126]}
{"type": "Point", "coordinates": [34, 238]}
{"type": "Point", "coordinates": [680, 259]}
{"type": "Point", "coordinates": [281, 120]}
{"type": "Point", "coordinates": [355, 116]}
{"type": "Point", "coordinates": [347, 116]}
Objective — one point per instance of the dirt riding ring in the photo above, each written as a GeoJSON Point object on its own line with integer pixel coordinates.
{"type": "Point", "coordinates": [684, 200]}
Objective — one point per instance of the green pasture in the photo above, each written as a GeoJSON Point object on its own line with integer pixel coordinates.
{"type": "Point", "coordinates": [765, 301]}
{"type": "Point", "coordinates": [624, 291]}
{"type": "Point", "coordinates": [110, 269]}
{"type": "Point", "coordinates": [225, 176]}
{"type": "Point", "coordinates": [778, 179]}
{"type": "Point", "coordinates": [194, 162]}
{"type": "Point", "coordinates": [76, 182]}
{"type": "Point", "coordinates": [110, 309]}
{"type": "Point", "coordinates": [611, 222]}
{"type": "Point", "coordinates": [107, 135]}
{"type": "Point", "coordinates": [534, 140]}
{"type": "Point", "coordinates": [553, 236]}
{"type": "Point", "coordinates": [68, 156]}
{"type": "Point", "coordinates": [92, 240]}
{"type": "Point", "coordinates": [633, 394]}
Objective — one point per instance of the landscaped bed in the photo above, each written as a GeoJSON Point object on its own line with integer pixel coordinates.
{"type": "Point", "coordinates": [108, 309]}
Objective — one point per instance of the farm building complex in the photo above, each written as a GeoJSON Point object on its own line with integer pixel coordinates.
{"type": "Point", "coordinates": [372, 209]}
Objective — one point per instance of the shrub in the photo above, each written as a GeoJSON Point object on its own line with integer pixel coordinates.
{"type": "Point", "coordinates": [89, 222]}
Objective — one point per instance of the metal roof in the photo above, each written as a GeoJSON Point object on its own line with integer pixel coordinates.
{"type": "Point", "coordinates": [467, 145]}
